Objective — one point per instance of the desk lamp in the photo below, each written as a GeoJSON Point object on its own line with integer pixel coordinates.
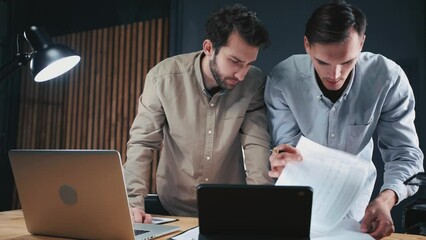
{"type": "Point", "coordinates": [48, 59]}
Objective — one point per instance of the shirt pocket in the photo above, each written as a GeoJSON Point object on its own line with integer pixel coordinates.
{"type": "Point", "coordinates": [358, 135]}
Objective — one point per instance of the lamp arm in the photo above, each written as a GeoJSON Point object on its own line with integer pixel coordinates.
{"type": "Point", "coordinates": [18, 61]}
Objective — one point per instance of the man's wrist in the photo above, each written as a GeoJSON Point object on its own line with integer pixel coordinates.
{"type": "Point", "coordinates": [389, 197]}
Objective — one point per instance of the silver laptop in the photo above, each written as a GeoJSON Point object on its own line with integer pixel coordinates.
{"type": "Point", "coordinates": [77, 194]}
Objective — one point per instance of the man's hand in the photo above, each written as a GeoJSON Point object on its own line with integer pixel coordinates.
{"type": "Point", "coordinates": [377, 220]}
{"type": "Point", "coordinates": [139, 216]}
{"type": "Point", "coordinates": [281, 154]}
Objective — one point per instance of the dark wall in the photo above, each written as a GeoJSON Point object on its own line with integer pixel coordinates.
{"type": "Point", "coordinates": [57, 17]}
{"type": "Point", "coordinates": [60, 17]}
{"type": "Point", "coordinates": [396, 29]}
{"type": "Point", "coordinates": [8, 115]}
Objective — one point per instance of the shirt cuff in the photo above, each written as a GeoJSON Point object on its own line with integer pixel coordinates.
{"type": "Point", "coordinates": [401, 190]}
{"type": "Point", "coordinates": [137, 202]}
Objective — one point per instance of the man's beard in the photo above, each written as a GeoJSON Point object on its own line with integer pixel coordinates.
{"type": "Point", "coordinates": [216, 75]}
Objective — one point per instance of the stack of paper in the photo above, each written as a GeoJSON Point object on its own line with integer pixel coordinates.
{"type": "Point", "coordinates": [336, 177]}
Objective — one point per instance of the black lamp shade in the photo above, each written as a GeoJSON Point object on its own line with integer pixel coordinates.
{"type": "Point", "coordinates": [52, 61]}
{"type": "Point", "coordinates": [49, 59]}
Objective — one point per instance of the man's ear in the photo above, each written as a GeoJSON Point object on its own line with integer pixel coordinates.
{"type": "Point", "coordinates": [306, 44]}
{"type": "Point", "coordinates": [208, 47]}
{"type": "Point", "coordinates": [362, 42]}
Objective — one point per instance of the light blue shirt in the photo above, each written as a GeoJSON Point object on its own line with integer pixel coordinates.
{"type": "Point", "coordinates": [377, 98]}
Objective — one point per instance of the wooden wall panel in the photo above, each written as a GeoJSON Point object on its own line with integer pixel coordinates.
{"type": "Point", "coordinates": [93, 105]}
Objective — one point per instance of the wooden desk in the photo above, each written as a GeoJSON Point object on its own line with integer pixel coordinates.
{"type": "Point", "coordinates": [12, 226]}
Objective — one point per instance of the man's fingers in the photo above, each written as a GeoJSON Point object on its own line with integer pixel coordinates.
{"type": "Point", "coordinates": [290, 149]}
{"type": "Point", "coordinates": [281, 159]}
{"type": "Point", "coordinates": [291, 156]}
{"type": "Point", "coordinates": [287, 152]}
{"type": "Point", "coordinates": [283, 148]}
{"type": "Point", "coordinates": [147, 218]}
{"type": "Point", "coordinates": [366, 223]}
{"type": "Point", "coordinates": [382, 229]}
{"type": "Point", "coordinates": [137, 217]}
{"type": "Point", "coordinates": [282, 154]}
{"type": "Point", "coordinates": [277, 163]}
{"type": "Point", "coordinates": [275, 172]}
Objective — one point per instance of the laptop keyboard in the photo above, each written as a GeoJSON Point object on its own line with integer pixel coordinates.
{"type": "Point", "coordinates": [139, 232]}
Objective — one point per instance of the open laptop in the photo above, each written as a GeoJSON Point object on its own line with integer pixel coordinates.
{"type": "Point", "coordinates": [77, 194]}
{"type": "Point", "coordinates": [254, 211]}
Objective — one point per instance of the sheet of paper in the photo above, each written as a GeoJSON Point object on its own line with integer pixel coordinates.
{"type": "Point", "coordinates": [346, 229]}
{"type": "Point", "coordinates": [336, 177]}
{"type": "Point", "coordinates": [191, 234]}
{"type": "Point", "coordinates": [162, 220]}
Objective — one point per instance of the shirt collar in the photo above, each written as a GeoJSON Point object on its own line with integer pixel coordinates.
{"type": "Point", "coordinates": [317, 91]}
{"type": "Point", "coordinates": [348, 88]}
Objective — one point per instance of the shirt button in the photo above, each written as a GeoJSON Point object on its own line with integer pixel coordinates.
{"type": "Point", "coordinates": [319, 97]}
{"type": "Point", "coordinates": [206, 179]}
{"type": "Point", "coordinates": [210, 131]}
{"type": "Point", "coordinates": [332, 135]}
{"type": "Point", "coordinates": [208, 158]}
{"type": "Point", "coordinates": [212, 105]}
{"type": "Point", "coordinates": [333, 109]}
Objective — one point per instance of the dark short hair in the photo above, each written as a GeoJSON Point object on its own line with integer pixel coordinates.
{"type": "Point", "coordinates": [332, 22]}
{"type": "Point", "coordinates": [236, 18]}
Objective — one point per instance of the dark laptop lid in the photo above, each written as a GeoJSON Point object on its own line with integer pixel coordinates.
{"type": "Point", "coordinates": [255, 210]}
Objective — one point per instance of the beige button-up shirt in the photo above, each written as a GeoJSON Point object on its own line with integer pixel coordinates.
{"type": "Point", "coordinates": [202, 135]}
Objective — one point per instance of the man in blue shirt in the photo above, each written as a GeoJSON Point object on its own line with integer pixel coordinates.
{"type": "Point", "coordinates": [338, 96]}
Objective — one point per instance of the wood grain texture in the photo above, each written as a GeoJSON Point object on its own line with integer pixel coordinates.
{"type": "Point", "coordinates": [12, 226]}
{"type": "Point", "coordinates": [93, 105]}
